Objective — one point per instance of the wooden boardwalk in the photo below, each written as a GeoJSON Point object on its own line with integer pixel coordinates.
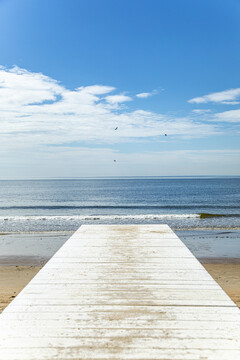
{"type": "Point", "coordinates": [121, 292]}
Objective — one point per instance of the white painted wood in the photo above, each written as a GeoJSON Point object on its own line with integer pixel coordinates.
{"type": "Point", "coordinates": [121, 292]}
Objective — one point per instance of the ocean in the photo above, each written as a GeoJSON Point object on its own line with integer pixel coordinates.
{"type": "Point", "coordinates": [65, 204]}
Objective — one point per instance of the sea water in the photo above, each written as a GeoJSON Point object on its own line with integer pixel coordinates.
{"type": "Point", "coordinates": [65, 204]}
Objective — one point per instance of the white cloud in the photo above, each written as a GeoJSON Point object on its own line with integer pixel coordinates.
{"type": "Point", "coordinates": [201, 111]}
{"type": "Point", "coordinates": [97, 89]}
{"type": "Point", "coordinates": [145, 95]}
{"type": "Point", "coordinates": [232, 116]}
{"type": "Point", "coordinates": [224, 97]}
{"type": "Point", "coordinates": [18, 87]}
{"type": "Point", "coordinates": [230, 102]}
{"type": "Point", "coordinates": [116, 99]}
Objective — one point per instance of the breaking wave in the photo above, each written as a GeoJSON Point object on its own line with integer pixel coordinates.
{"type": "Point", "coordinates": [99, 217]}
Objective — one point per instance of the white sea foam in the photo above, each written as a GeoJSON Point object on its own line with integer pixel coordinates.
{"type": "Point", "coordinates": [99, 217]}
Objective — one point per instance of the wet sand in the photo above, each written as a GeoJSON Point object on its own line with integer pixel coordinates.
{"type": "Point", "coordinates": [14, 278]}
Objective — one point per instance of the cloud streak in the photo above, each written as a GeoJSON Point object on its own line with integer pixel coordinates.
{"type": "Point", "coordinates": [145, 95]}
{"type": "Point", "coordinates": [231, 116]}
{"type": "Point", "coordinates": [201, 111]}
{"type": "Point", "coordinates": [229, 97]}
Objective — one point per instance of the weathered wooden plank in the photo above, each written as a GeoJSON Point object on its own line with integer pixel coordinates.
{"type": "Point", "coordinates": [121, 292]}
{"type": "Point", "coordinates": [154, 313]}
{"type": "Point", "coordinates": [137, 342]}
{"type": "Point", "coordinates": [116, 353]}
{"type": "Point", "coordinates": [103, 254]}
{"type": "Point", "coordinates": [162, 262]}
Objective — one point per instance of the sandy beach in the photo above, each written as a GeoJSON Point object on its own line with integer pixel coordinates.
{"type": "Point", "coordinates": [14, 278]}
{"type": "Point", "coordinates": [227, 275]}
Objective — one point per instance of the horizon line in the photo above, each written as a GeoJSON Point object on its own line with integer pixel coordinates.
{"type": "Point", "coordinates": [118, 177]}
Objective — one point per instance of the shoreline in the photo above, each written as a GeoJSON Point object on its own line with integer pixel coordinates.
{"type": "Point", "coordinates": [35, 248]}
{"type": "Point", "coordinates": [70, 231]}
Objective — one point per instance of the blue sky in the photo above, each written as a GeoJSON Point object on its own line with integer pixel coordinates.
{"type": "Point", "coordinates": [71, 71]}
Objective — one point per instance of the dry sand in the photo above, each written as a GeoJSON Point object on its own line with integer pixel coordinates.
{"type": "Point", "coordinates": [14, 278]}
{"type": "Point", "coordinates": [227, 275]}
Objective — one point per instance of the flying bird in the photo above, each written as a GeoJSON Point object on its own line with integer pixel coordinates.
{"type": "Point", "coordinates": [165, 134]}
{"type": "Point", "coordinates": [116, 128]}
{"type": "Point", "coordinates": [114, 160]}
